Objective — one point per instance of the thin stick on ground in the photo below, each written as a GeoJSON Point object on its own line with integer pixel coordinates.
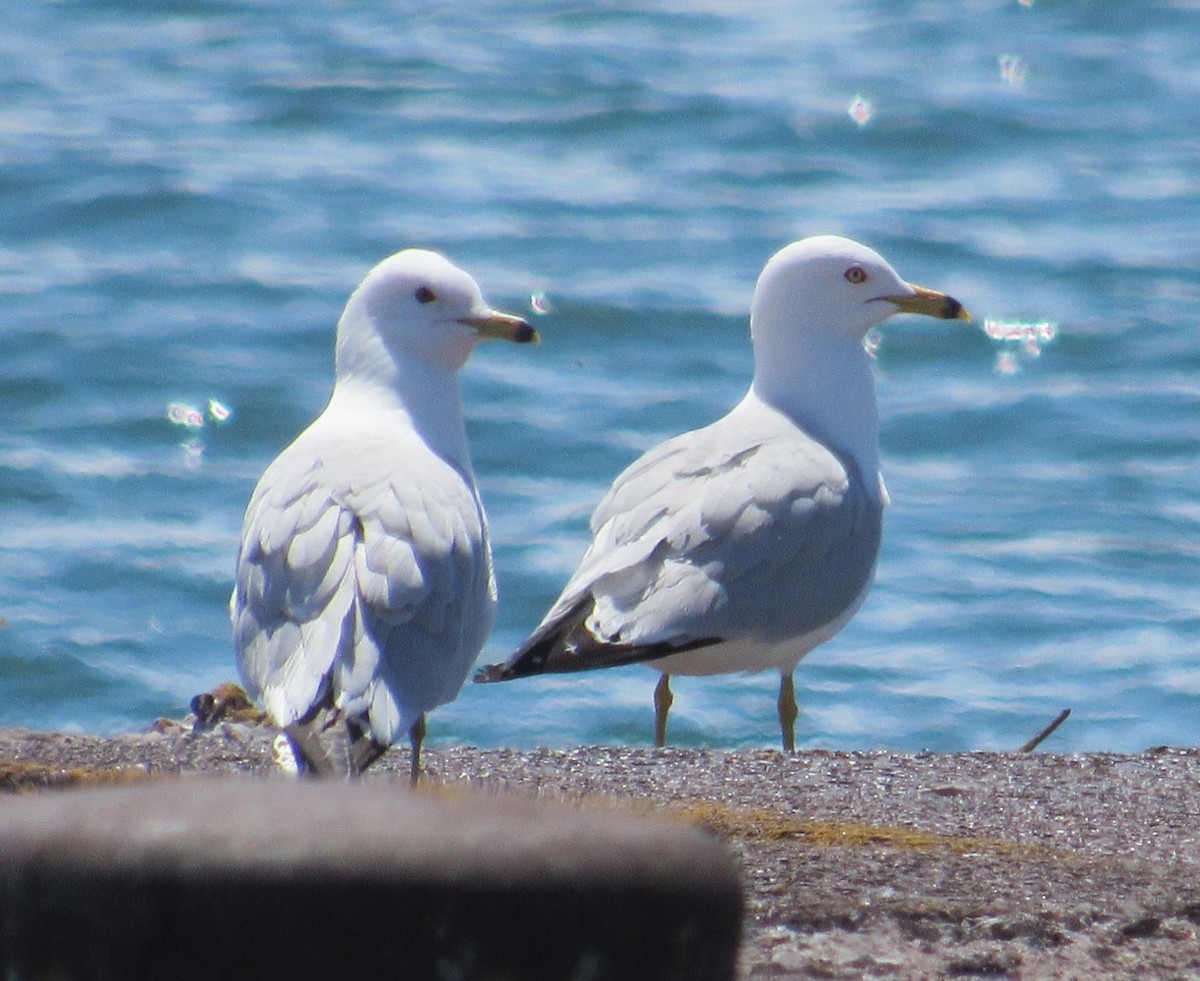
{"type": "Point", "coordinates": [1030, 746]}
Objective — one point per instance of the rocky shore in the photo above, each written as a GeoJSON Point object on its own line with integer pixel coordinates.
{"type": "Point", "coordinates": [855, 865]}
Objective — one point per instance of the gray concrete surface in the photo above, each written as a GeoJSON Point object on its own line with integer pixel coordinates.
{"type": "Point", "coordinates": [856, 865]}
{"type": "Point", "coordinates": [279, 878]}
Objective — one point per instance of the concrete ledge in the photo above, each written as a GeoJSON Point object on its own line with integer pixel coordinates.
{"type": "Point", "coordinates": [278, 878]}
{"type": "Point", "coordinates": [907, 866]}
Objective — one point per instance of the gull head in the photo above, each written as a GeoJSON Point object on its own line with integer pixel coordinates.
{"type": "Point", "coordinates": [813, 305]}
{"type": "Point", "coordinates": [417, 304]}
{"type": "Point", "coordinates": [837, 285]}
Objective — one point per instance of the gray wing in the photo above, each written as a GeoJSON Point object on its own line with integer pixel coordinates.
{"type": "Point", "coordinates": [363, 581]}
{"type": "Point", "coordinates": [710, 537]}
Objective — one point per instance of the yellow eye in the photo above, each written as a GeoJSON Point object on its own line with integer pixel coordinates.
{"type": "Point", "coordinates": [856, 275]}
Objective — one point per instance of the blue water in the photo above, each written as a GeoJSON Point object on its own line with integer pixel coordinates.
{"type": "Point", "coordinates": [189, 191]}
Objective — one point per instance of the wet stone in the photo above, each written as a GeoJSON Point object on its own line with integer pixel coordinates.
{"type": "Point", "coordinates": [240, 877]}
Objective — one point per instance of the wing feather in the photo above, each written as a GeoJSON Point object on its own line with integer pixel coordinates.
{"type": "Point", "coordinates": [716, 535]}
{"type": "Point", "coordinates": [360, 586]}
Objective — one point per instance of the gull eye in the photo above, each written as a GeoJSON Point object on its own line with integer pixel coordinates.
{"type": "Point", "coordinates": [425, 295]}
{"type": "Point", "coordinates": [856, 275]}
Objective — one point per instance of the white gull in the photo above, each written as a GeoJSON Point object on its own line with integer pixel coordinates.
{"type": "Point", "coordinates": [364, 583]}
{"type": "Point", "coordinates": [743, 545]}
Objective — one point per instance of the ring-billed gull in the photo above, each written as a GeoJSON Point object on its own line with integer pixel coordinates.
{"type": "Point", "coordinates": [743, 545]}
{"type": "Point", "coordinates": [364, 580]}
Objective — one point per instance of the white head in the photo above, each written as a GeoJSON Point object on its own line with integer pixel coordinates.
{"type": "Point", "coordinates": [814, 302]}
{"type": "Point", "coordinates": [832, 283]}
{"type": "Point", "coordinates": [418, 305]}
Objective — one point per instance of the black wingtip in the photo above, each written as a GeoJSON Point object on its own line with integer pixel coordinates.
{"type": "Point", "coordinates": [530, 659]}
{"type": "Point", "coordinates": [565, 645]}
{"type": "Point", "coordinates": [491, 672]}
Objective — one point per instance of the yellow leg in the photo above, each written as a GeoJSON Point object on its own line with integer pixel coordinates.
{"type": "Point", "coordinates": [416, 735]}
{"type": "Point", "coordinates": [787, 712]}
{"type": "Point", "coordinates": [662, 705]}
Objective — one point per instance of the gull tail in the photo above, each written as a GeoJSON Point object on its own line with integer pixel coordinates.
{"type": "Point", "coordinates": [566, 644]}
{"type": "Point", "coordinates": [549, 649]}
{"type": "Point", "coordinates": [312, 757]}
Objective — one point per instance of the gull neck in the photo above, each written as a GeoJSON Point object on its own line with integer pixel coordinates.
{"type": "Point", "coordinates": [823, 382]}
{"type": "Point", "coordinates": [424, 397]}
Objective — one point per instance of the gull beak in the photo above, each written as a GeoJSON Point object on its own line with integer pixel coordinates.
{"type": "Point", "coordinates": [929, 302]}
{"type": "Point", "coordinates": [503, 326]}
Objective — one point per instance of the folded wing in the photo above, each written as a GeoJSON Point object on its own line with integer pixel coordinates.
{"type": "Point", "coordinates": [710, 537]}
{"type": "Point", "coordinates": [362, 592]}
